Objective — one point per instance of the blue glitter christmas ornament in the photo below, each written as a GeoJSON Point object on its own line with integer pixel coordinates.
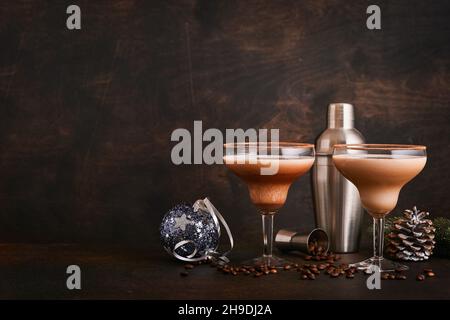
{"type": "Point", "coordinates": [191, 233]}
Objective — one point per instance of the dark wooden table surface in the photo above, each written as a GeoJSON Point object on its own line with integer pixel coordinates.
{"type": "Point", "coordinates": [39, 272]}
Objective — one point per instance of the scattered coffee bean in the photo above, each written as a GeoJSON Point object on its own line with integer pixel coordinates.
{"type": "Point", "coordinates": [273, 271]}
{"type": "Point", "coordinates": [420, 277]}
{"type": "Point", "coordinates": [234, 273]}
{"type": "Point", "coordinates": [311, 277]}
{"type": "Point", "coordinates": [303, 277]}
{"type": "Point", "coordinates": [189, 266]}
{"type": "Point", "coordinates": [287, 267]}
{"type": "Point", "coordinates": [335, 274]}
{"type": "Point", "coordinates": [391, 277]}
{"type": "Point", "coordinates": [430, 274]}
{"type": "Point", "coordinates": [400, 277]}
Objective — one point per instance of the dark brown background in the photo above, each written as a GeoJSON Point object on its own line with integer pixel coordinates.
{"type": "Point", "coordinates": [86, 116]}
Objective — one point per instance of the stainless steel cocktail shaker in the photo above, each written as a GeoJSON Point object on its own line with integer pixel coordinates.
{"type": "Point", "coordinates": [336, 200]}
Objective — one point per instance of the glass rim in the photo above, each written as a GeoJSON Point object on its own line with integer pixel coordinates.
{"type": "Point", "coordinates": [268, 144]}
{"type": "Point", "coordinates": [375, 146]}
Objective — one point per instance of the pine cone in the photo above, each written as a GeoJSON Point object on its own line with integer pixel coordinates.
{"type": "Point", "coordinates": [411, 237]}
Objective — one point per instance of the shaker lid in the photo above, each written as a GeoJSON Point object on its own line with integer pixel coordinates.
{"type": "Point", "coordinates": [340, 115]}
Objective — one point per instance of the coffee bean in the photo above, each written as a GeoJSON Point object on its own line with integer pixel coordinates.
{"type": "Point", "coordinates": [189, 266]}
{"type": "Point", "coordinates": [420, 277]}
{"type": "Point", "coordinates": [350, 275]}
{"type": "Point", "coordinates": [385, 276]}
{"type": "Point", "coordinates": [391, 277]}
{"type": "Point", "coordinates": [398, 270]}
{"type": "Point", "coordinates": [234, 273]}
{"type": "Point", "coordinates": [307, 258]}
{"type": "Point", "coordinates": [430, 274]}
{"type": "Point", "coordinates": [287, 267]}
{"type": "Point", "coordinates": [303, 277]}
{"type": "Point", "coordinates": [335, 274]}
{"type": "Point", "coordinates": [273, 271]}
{"type": "Point", "coordinates": [295, 265]}
{"type": "Point", "coordinates": [251, 269]}
{"type": "Point", "coordinates": [400, 277]}
{"type": "Point", "coordinates": [311, 277]}
{"type": "Point", "coordinates": [184, 274]}
{"type": "Point", "coordinates": [321, 266]}
{"type": "Point", "coordinates": [266, 272]}
{"type": "Point", "coordinates": [258, 274]}
{"type": "Point", "coordinates": [247, 273]}
{"type": "Point", "coordinates": [427, 270]}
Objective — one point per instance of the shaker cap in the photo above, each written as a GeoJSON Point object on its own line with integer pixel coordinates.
{"type": "Point", "coordinates": [340, 115]}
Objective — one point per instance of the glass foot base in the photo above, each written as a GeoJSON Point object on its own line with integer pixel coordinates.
{"type": "Point", "coordinates": [270, 261]}
{"type": "Point", "coordinates": [385, 265]}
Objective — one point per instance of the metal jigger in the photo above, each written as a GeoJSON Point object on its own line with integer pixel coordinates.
{"type": "Point", "coordinates": [287, 240]}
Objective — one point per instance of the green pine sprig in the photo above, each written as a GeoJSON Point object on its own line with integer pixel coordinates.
{"type": "Point", "coordinates": [442, 237]}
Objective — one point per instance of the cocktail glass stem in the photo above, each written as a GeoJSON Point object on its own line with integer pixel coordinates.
{"type": "Point", "coordinates": [267, 225]}
{"type": "Point", "coordinates": [378, 238]}
{"type": "Point", "coordinates": [383, 264]}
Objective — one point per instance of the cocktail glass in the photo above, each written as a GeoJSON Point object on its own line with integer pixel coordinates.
{"type": "Point", "coordinates": [379, 171]}
{"type": "Point", "coordinates": [268, 169]}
